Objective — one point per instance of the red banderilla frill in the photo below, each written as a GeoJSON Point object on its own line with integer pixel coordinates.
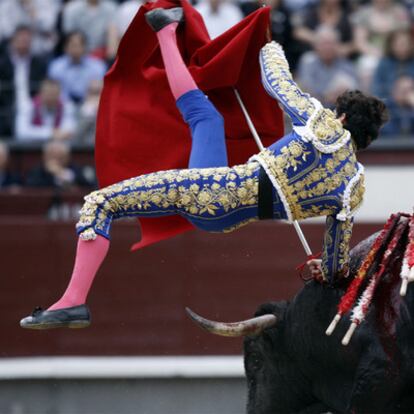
{"type": "Point", "coordinates": [349, 298]}
{"type": "Point", "coordinates": [407, 269]}
{"type": "Point", "coordinates": [361, 309]}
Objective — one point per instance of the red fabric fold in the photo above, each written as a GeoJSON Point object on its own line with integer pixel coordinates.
{"type": "Point", "coordinates": [139, 128]}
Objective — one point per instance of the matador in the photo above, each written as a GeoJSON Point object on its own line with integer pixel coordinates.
{"type": "Point", "coordinates": [312, 171]}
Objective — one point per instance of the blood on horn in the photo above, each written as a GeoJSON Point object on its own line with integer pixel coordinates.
{"type": "Point", "coordinates": [234, 329]}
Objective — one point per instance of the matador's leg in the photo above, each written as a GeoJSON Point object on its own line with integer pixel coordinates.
{"type": "Point", "coordinates": [215, 199]}
{"type": "Point", "coordinates": [134, 197]}
{"type": "Point", "coordinates": [206, 124]}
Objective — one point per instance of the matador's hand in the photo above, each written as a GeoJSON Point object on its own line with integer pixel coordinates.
{"type": "Point", "coordinates": [315, 267]}
{"type": "Point", "coordinates": [276, 51]}
{"type": "Point", "coordinates": [276, 48]}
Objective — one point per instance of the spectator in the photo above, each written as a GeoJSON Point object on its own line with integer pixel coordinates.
{"type": "Point", "coordinates": [280, 25]}
{"type": "Point", "coordinates": [75, 70]}
{"type": "Point", "coordinates": [401, 108]}
{"type": "Point", "coordinates": [329, 13]}
{"type": "Point", "coordinates": [57, 170]}
{"type": "Point", "coordinates": [297, 5]}
{"type": "Point", "coordinates": [219, 16]}
{"type": "Point", "coordinates": [125, 13]}
{"type": "Point", "coordinates": [409, 4]}
{"type": "Point", "coordinates": [7, 178]}
{"type": "Point", "coordinates": [39, 15]}
{"type": "Point", "coordinates": [373, 24]}
{"type": "Point", "coordinates": [93, 18]}
{"type": "Point", "coordinates": [20, 77]}
{"type": "Point", "coordinates": [398, 61]}
{"type": "Point", "coordinates": [324, 73]}
{"type": "Point", "coordinates": [123, 18]}
{"type": "Point", "coordinates": [88, 113]}
{"type": "Point", "coordinates": [47, 117]}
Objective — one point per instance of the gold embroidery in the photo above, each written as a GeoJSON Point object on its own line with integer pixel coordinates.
{"type": "Point", "coordinates": [303, 172]}
{"type": "Point", "coordinates": [325, 183]}
{"type": "Point", "coordinates": [277, 71]}
{"type": "Point", "coordinates": [292, 155]}
{"type": "Point", "coordinates": [318, 184]}
{"type": "Point", "coordinates": [343, 249]}
{"type": "Point", "coordinates": [281, 177]}
{"type": "Point", "coordinates": [205, 192]}
{"type": "Point", "coordinates": [327, 245]}
{"type": "Point", "coordinates": [327, 128]}
{"type": "Point", "coordinates": [357, 193]}
{"type": "Point", "coordinates": [238, 225]}
{"type": "Point", "coordinates": [318, 211]}
{"type": "Point", "coordinates": [320, 125]}
{"type": "Point", "coordinates": [336, 246]}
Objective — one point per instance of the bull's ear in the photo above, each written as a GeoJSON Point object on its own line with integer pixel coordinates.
{"type": "Point", "coordinates": [274, 308]}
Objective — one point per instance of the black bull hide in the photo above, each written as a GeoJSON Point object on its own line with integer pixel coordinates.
{"type": "Point", "coordinates": [293, 367]}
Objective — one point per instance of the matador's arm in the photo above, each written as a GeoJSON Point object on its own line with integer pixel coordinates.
{"type": "Point", "coordinates": [335, 256]}
{"type": "Point", "coordinates": [279, 83]}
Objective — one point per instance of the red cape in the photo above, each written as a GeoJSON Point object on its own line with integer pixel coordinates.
{"type": "Point", "coordinates": [139, 128]}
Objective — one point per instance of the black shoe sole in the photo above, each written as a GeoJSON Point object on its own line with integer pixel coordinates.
{"type": "Point", "coordinates": [79, 324]}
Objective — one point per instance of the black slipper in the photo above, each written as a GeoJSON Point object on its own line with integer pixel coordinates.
{"type": "Point", "coordinates": [159, 18]}
{"type": "Point", "coordinates": [74, 317]}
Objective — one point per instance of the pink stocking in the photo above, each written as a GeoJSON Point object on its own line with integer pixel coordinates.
{"type": "Point", "coordinates": [179, 77]}
{"type": "Point", "coordinates": [89, 257]}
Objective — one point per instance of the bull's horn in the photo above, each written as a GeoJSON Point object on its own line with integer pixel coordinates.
{"type": "Point", "coordinates": [248, 327]}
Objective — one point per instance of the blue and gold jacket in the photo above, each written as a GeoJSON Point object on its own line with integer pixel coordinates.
{"type": "Point", "coordinates": [314, 169]}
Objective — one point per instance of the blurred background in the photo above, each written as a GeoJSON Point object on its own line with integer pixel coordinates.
{"type": "Point", "coordinates": [142, 354]}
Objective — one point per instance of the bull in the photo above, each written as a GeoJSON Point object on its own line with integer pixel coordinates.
{"type": "Point", "coordinates": [293, 367]}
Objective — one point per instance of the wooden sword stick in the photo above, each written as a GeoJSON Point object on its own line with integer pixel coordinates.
{"type": "Point", "coordinates": [259, 143]}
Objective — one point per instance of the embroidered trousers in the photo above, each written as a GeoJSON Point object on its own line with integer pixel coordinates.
{"type": "Point", "coordinates": [211, 195]}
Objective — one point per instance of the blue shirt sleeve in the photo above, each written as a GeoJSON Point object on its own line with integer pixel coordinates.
{"type": "Point", "coordinates": [278, 82]}
{"type": "Point", "coordinates": [335, 256]}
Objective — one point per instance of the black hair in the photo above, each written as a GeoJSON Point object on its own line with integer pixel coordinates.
{"type": "Point", "coordinates": [364, 116]}
{"type": "Point", "coordinates": [391, 39]}
{"type": "Point", "coordinates": [22, 28]}
{"type": "Point", "coordinates": [75, 33]}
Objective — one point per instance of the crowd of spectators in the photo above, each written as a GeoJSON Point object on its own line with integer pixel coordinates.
{"type": "Point", "coordinates": [54, 54]}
